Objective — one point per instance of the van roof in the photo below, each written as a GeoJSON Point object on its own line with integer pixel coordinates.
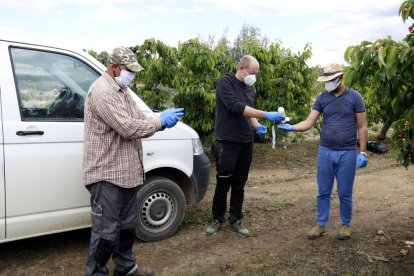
{"type": "Point", "coordinates": [55, 45]}
{"type": "Point", "coordinates": [38, 42]}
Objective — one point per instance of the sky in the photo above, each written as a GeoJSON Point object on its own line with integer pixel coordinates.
{"type": "Point", "coordinates": [330, 26]}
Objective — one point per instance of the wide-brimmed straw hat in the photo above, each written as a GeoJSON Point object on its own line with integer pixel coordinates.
{"type": "Point", "coordinates": [330, 72]}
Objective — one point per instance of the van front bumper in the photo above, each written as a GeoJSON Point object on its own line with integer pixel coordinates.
{"type": "Point", "coordinates": [200, 176]}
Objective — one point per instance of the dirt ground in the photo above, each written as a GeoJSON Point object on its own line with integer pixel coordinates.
{"type": "Point", "coordinates": [279, 209]}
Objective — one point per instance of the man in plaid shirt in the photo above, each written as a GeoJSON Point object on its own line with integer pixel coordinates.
{"type": "Point", "coordinates": [113, 167]}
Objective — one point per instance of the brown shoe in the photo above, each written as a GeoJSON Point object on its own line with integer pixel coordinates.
{"type": "Point", "coordinates": [141, 271]}
{"type": "Point", "coordinates": [345, 232]}
{"type": "Point", "coordinates": [316, 232]}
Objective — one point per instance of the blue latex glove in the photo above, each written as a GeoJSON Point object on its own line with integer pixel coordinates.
{"type": "Point", "coordinates": [170, 117]}
{"type": "Point", "coordinates": [362, 161]}
{"type": "Point", "coordinates": [261, 130]}
{"type": "Point", "coordinates": [286, 127]}
{"type": "Point", "coordinates": [274, 116]}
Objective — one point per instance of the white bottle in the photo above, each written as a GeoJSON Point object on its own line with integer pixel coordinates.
{"type": "Point", "coordinates": [281, 110]}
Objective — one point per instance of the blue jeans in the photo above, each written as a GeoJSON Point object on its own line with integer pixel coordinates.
{"type": "Point", "coordinates": [339, 164]}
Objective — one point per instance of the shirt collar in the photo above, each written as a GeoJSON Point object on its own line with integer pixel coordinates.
{"type": "Point", "coordinates": [343, 92]}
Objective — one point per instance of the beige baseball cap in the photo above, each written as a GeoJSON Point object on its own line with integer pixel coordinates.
{"type": "Point", "coordinates": [330, 72]}
{"type": "Point", "coordinates": [123, 55]}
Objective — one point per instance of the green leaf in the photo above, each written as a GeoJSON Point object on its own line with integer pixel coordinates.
{"type": "Point", "coordinates": [299, 77]}
{"type": "Point", "coordinates": [365, 43]}
{"type": "Point", "coordinates": [290, 96]}
{"type": "Point", "coordinates": [391, 59]}
{"type": "Point", "coordinates": [395, 104]}
{"type": "Point", "coordinates": [402, 7]}
{"type": "Point", "coordinates": [412, 12]}
{"type": "Point", "coordinates": [367, 58]}
{"type": "Point", "coordinates": [405, 10]}
{"type": "Point", "coordinates": [382, 52]}
{"type": "Point", "coordinates": [403, 56]}
{"type": "Point", "coordinates": [347, 56]}
{"type": "Point", "coordinates": [349, 76]}
{"type": "Point", "coordinates": [356, 55]}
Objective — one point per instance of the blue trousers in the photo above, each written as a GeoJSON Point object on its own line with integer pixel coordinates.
{"type": "Point", "coordinates": [339, 164]}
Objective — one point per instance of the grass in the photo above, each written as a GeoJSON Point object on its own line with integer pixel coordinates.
{"type": "Point", "coordinates": [279, 210]}
{"type": "Point", "coordinates": [197, 214]}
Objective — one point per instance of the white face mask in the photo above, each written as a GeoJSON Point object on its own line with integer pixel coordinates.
{"type": "Point", "coordinates": [332, 85]}
{"type": "Point", "coordinates": [250, 79]}
{"type": "Point", "coordinates": [125, 78]}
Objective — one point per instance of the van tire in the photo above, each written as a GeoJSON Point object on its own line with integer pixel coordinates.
{"type": "Point", "coordinates": [161, 209]}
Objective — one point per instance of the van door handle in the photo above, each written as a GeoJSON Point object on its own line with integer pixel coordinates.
{"type": "Point", "coordinates": [33, 132]}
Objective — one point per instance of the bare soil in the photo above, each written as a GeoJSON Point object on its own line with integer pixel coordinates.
{"type": "Point", "coordinates": [279, 209]}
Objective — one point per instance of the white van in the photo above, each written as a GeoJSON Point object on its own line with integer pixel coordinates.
{"type": "Point", "coordinates": [41, 113]}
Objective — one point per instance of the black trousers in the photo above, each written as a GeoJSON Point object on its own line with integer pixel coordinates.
{"type": "Point", "coordinates": [232, 164]}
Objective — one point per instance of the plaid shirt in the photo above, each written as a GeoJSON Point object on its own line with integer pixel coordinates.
{"type": "Point", "coordinates": [114, 127]}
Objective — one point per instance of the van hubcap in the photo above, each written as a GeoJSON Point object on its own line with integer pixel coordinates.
{"type": "Point", "coordinates": [157, 209]}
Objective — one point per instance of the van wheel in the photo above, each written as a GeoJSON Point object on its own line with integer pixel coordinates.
{"type": "Point", "coordinates": [161, 208]}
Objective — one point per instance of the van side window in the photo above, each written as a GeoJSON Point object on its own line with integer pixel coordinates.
{"type": "Point", "coordinates": [50, 86]}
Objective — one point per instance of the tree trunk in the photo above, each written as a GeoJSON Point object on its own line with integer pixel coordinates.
{"type": "Point", "coordinates": [385, 127]}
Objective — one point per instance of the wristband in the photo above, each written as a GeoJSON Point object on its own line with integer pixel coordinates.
{"type": "Point", "coordinates": [363, 153]}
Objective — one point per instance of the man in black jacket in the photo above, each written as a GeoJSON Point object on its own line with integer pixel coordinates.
{"type": "Point", "coordinates": [235, 118]}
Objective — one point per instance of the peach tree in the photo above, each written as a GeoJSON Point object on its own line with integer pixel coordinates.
{"type": "Point", "coordinates": [195, 82]}
{"type": "Point", "coordinates": [284, 79]}
{"type": "Point", "coordinates": [160, 64]}
{"type": "Point", "coordinates": [383, 71]}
